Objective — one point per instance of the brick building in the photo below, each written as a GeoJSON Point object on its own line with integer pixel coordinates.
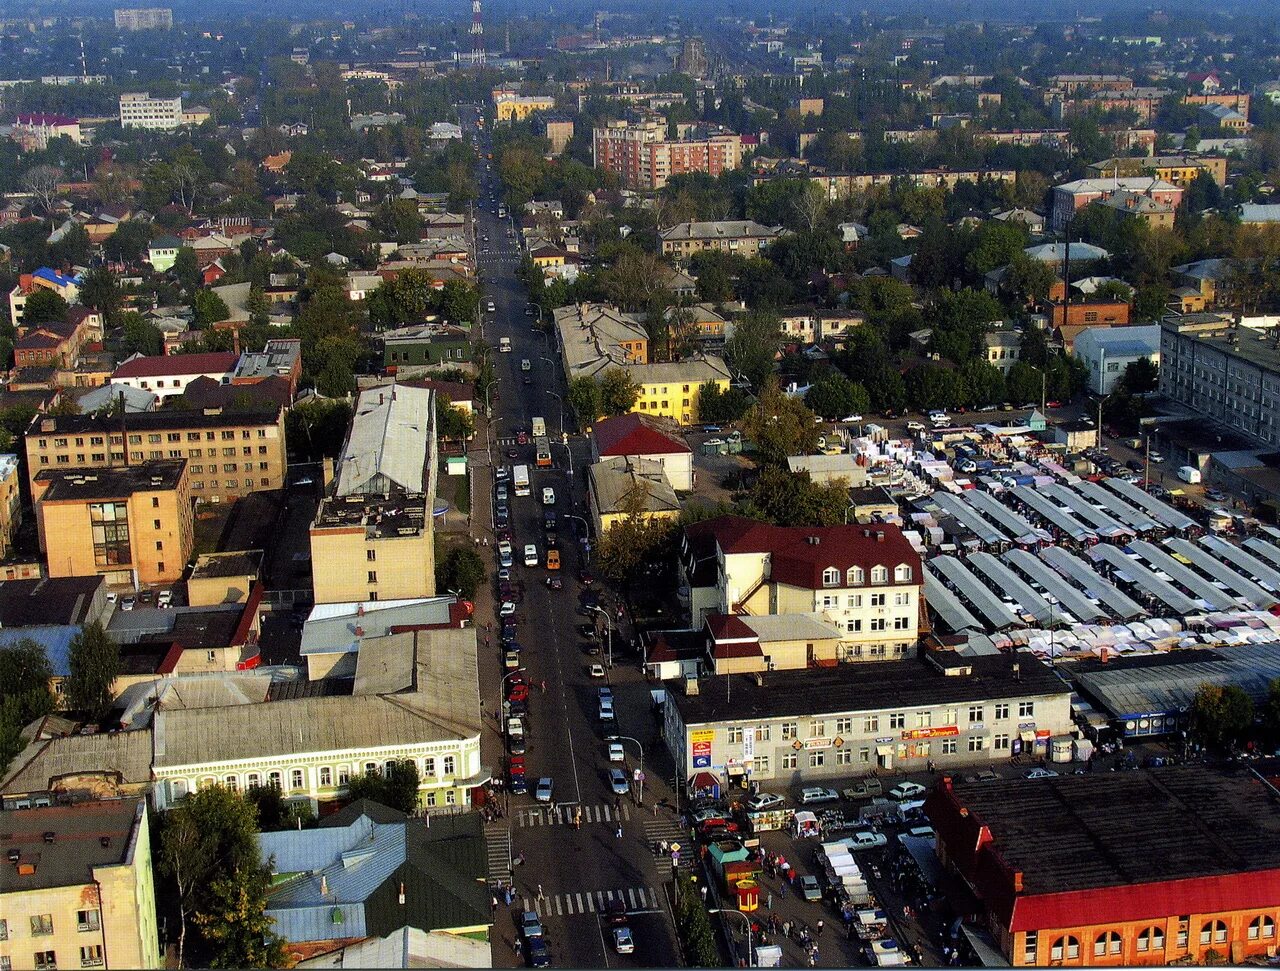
{"type": "Point", "coordinates": [644, 158]}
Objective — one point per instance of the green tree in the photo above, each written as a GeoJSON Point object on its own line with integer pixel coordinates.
{"type": "Point", "coordinates": [186, 269]}
{"type": "Point", "coordinates": [101, 292]}
{"type": "Point", "coordinates": [1029, 279]}
{"type": "Point", "coordinates": [930, 386]}
{"type": "Point", "coordinates": [1024, 383]}
{"type": "Point", "coordinates": [618, 391]}
{"type": "Point", "coordinates": [138, 336]}
{"type": "Point", "coordinates": [43, 307]}
{"type": "Point", "coordinates": [1270, 713]}
{"type": "Point", "coordinates": [779, 426]}
{"type": "Point", "coordinates": [277, 813]}
{"type": "Point", "coordinates": [208, 307]}
{"type": "Point", "coordinates": [315, 430]}
{"type": "Point", "coordinates": [398, 220]}
{"type": "Point", "coordinates": [1141, 376]}
{"type": "Point", "coordinates": [453, 423]}
{"type": "Point", "coordinates": [635, 538]}
{"type": "Point", "coordinates": [752, 349]}
{"type": "Point", "coordinates": [94, 665]}
{"type": "Point", "coordinates": [461, 569]}
{"type": "Point", "coordinates": [792, 499]}
{"type": "Point", "coordinates": [834, 396]}
{"type": "Point", "coordinates": [25, 675]}
{"type": "Point", "coordinates": [128, 242]}
{"type": "Point", "coordinates": [1220, 715]}
{"type": "Point", "coordinates": [209, 838]}
{"type": "Point", "coordinates": [997, 244]}
{"type": "Point", "coordinates": [397, 787]}
{"type": "Point", "coordinates": [984, 381]}
{"type": "Point", "coordinates": [716, 405]}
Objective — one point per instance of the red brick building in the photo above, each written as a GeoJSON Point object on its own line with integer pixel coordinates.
{"type": "Point", "coordinates": [643, 158]}
{"type": "Point", "coordinates": [1166, 866]}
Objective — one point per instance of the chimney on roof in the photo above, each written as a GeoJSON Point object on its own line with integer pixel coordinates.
{"type": "Point", "coordinates": [1017, 881]}
{"type": "Point", "coordinates": [324, 885]}
{"type": "Point", "coordinates": [1017, 671]}
{"type": "Point", "coordinates": [401, 893]}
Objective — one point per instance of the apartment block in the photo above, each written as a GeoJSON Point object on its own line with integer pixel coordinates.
{"type": "Point", "coordinates": [140, 110]}
{"type": "Point", "coordinates": [644, 158]}
{"type": "Point", "coordinates": [231, 454]}
{"type": "Point", "coordinates": [78, 890]}
{"type": "Point", "coordinates": [144, 18]}
{"type": "Point", "coordinates": [133, 526]}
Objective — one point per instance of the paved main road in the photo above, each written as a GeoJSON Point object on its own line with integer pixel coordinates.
{"type": "Point", "coordinates": [577, 869]}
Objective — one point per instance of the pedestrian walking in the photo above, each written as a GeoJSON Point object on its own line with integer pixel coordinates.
{"type": "Point", "coordinates": [618, 832]}
{"type": "Point", "coordinates": [539, 891]}
{"type": "Point", "coordinates": [782, 890]}
{"type": "Point", "coordinates": [617, 804]}
{"type": "Point", "coordinates": [493, 904]}
{"type": "Point", "coordinates": [515, 946]}
{"type": "Point", "coordinates": [544, 687]}
{"type": "Point", "coordinates": [821, 924]}
{"type": "Point", "coordinates": [577, 818]}
{"type": "Point", "coordinates": [768, 902]}
{"type": "Point", "coordinates": [702, 892]}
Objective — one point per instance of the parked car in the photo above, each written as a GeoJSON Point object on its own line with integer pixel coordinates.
{"type": "Point", "coordinates": [597, 670]}
{"type": "Point", "coordinates": [543, 792]}
{"type": "Point", "coordinates": [809, 888]}
{"type": "Point", "coordinates": [868, 839]}
{"type": "Point", "coordinates": [554, 583]}
{"type": "Point", "coordinates": [915, 426]}
{"type": "Point", "coordinates": [616, 751]}
{"type": "Point", "coordinates": [764, 800]}
{"type": "Point", "coordinates": [618, 782]}
{"type": "Point", "coordinates": [530, 925]}
{"type": "Point", "coordinates": [127, 603]}
{"type": "Point", "coordinates": [539, 956]}
{"type": "Point", "coordinates": [164, 599]}
{"type": "Point", "coordinates": [507, 609]}
{"type": "Point", "coordinates": [906, 790]}
{"type": "Point", "coordinates": [1040, 774]}
{"type": "Point", "coordinates": [864, 789]}
{"type": "Point", "coordinates": [530, 555]}
{"type": "Point", "coordinates": [810, 795]}
{"type": "Point", "coordinates": [615, 912]}
{"type": "Point", "coordinates": [548, 496]}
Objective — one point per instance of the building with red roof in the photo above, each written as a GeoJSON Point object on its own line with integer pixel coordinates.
{"type": "Point", "coordinates": [1177, 865]}
{"type": "Point", "coordinates": [34, 131]}
{"type": "Point", "coordinates": [167, 375]}
{"type": "Point", "coordinates": [866, 580]}
{"type": "Point", "coordinates": [637, 436]}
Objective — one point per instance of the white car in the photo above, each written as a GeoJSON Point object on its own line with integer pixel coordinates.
{"type": "Point", "coordinates": [764, 800]}
{"type": "Point", "coordinates": [1040, 774]}
{"type": "Point", "coordinates": [868, 839]}
{"type": "Point", "coordinates": [490, 307]}
{"type": "Point", "coordinates": [531, 555]}
{"type": "Point", "coordinates": [597, 670]}
{"type": "Point", "coordinates": [851, 419]}
{"type": "Point", "coordinates": [810, 795]}
{"type": "Point", "coordinates": [548, 496]}
{"type": "Point", "coordinates": [906, 790]}
{"type": "Point", "coordinates": [164, 599]}
{"type": "Point", "coordinates": [915, 426]}
{"type": "Point", "coordinates": [616, 752]}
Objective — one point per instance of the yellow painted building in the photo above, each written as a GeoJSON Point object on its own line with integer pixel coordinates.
{"type": "Point", "coordinates": [81, 893]}
{"type": "Point", "coordinates": [366, 547]}
{"type": "Point", "coordinates": [10, 502]}
{"type": "Point", "coordinates": [620, 487]}
{"type": "Point", "coordinates": [671, 390]}
{"type": "Point", "coordinates": [133, 526]}
{"type": "Point", "coordinates": [518, 109]}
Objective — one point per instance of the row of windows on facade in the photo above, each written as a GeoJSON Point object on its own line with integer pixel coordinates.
{"type": "Point", "coordinates": [855, 574]}
{"type": "Point", "coordinates": [155, 438]}
{"type": "Point", "coordinates": [855, 600]}
{"type": "Point", "coordinates": [1110, 943]}
{"type": "Point", "coordinates": [977, 714]}
{"type": "Point", "coordinates": [847, 756]}
{"type": "Point", "coordinates": [174, 453]}
{"type": "Point", "coordinates": [90, 957]}
{"type": "Point", "coordinates": [325, 775]}
{"type": "Point", "coordinates": [448, 353]}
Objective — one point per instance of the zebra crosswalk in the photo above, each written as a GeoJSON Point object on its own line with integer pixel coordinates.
{"type": "Point", "coordinates": [563, 815]}
{"type": "Point", "coordinates": [497, 839]}
{"type": "Point", "coordinates": [661, 828]}
{"type": "Point", "coordinates": [575, 904]}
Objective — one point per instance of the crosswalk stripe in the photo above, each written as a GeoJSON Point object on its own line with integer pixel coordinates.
{"type": "Point", "coordinates": [559, 912]}
{"type": "Point", "coordinates": [631, 895]}
{"type": "Point", "coordinates": [626, 812]}
{"type": "Point", "coordinates": [600, 898]}
{"type": "Point", "coordinates": [581, 910]}
{"type": "Point", "coordinates": [591, 904]}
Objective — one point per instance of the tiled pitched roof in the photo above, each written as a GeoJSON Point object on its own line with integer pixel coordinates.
{"type": "Point", "coordinates": [215, 362]}
{"type": "Point", "coordinates": [635, 434]}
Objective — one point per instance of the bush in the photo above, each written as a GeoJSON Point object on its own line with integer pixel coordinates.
{"type": "Point", "coordinates": [693, 926]}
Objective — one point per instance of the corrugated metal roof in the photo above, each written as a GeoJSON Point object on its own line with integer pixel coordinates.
{"type": "Point", "coordinates": [126, 753]}
{"type": "Point", "coordinates": [1104, 524]}
{"type": "Point", "coordinates": [969, 516]}
{"type": "Point", "coordinates": [1213, 565]}
{"type": "Point", "coordinates": [1160, 511]}
{"type": "Point", "coordinates": [1117, 507]}
{"type": "Point", "coordinates": [331, 628]}
{"type": "Point", "coordinates": [1068, 596]}
{"type": "Point", "coordinates": [1092, 583]}
{"type": "Point", "coordinates": [1252, 565]}
{"type": "Point", "coordinates": [976, 592]}
{"type": "Point", "coordinates": [1017, 526]}
{"type": "Point", "coordinates": [389, 443]}
{"type": "Point", "coordinates": [1189, 578]}
{"type": "Point", "coordinates": [1009, 583]}
{"type": "Point", "coordinates": [1053, 515]}
{"type": "Point", "coordinates": [1146, 579]}
{"type": "Point", "coordinates": [947, 605]}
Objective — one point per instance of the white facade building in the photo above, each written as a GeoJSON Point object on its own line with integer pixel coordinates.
{"type": "Point", "coordinates": [140, 110]}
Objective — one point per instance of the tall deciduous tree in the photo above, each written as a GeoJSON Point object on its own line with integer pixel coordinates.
{"type": "Point", "coordinates": [1220, 715]}
{"type": "Point", "coordinates": [753, 347]}
{"type": "Point", "coordinates": [94, 666]}
{"type": "Point", "coordinates": [634, 539]}
{"type": "Point", "coordinates": [25, 695]}
{"type": "Point", "coordinates": [618, 391]}
{"type": "Point", "coordinates": [779, 426]}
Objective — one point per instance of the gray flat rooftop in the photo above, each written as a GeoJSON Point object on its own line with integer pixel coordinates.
{"type": "Point", "coordinates": [1144, 577]}
{"type": "Point", "coordinates": [1068, 597]}
{"type": "Point", "coordinates": [1159, 510]}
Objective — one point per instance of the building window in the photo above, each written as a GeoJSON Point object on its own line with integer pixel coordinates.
{"type": "Point", "coordinates": [872, 724]}
{"type": "Point", "coordinates": [109, 526]}
{"type": "Point", "coordinates": [428, 766]}
{"type": "Point", "coordinates": [924, 719]}
{"type": "Point", "coordinates": [898, 719]}
{"type": "Point", "coordinates": [854, 575]}
{"type": "Point", "coordinates": [760, 765]}
{"type": "Point", "coordinates": [789, 731]}
{"type": "Point", "coordinates": [877, 600]}
{"type": "Point", "coordinates": [830, 577]}
{"type": "Point", "coordinates": [231, 782]}
{"type": "Point", "coordinates": [447, 765]}
{"type": "Point", "coordinates": [902, 573]}
{"type": "Point", "coordinates": [1002, 711]}
{"type": "Point", "coordinates": [855, 600]}
{"type": "Point", "coordinates": [344, 775]}
{"type": "Point", "coordinates": [1001, 743]}
{"type": "Point", "coordinates": [948, 746]}
{"type": "Point", "coordinates": [371, 555]}
{"type": "Point", "coordinates": [1214, 931]}
{"type": "Point", "coordinates": [373, 576]}
{"type": "Point", "coordinates": [853, 626]}
{"type": "Point", "coordinates": [1151, 939]}
{"type": "Point", "coordinates": [763, 733]}
{"type": "Point", "coordinates": [1262, 927]}
{"type": "Point", "coordinates": [91, 956]}
{"type": "Point", "coordinates": [1065, 949]}
{"type": "Point", "coordinates": [46, 961]}
{"type": "Point", "coordinates": [431, 799]}
{"type": "Point", "coordinates": [844, 726]}
{"type": "Point", "coordinates": [1026, 709]}
{"type": "Point", "coordinates": [735, 734]}
{"type": "Point", "coordinates": [41, 925]}
{"type": "Point", "coordinates": [977, 743]}
{"type": "Point", "coordinates": [844, 756]}
{"type": "Point", "coordinates": [4, 930]}
{"type": "Point", "coordinates": [789, 760]}
{"type": "Point", "coordinates": [879, 574]}
{"type": "Point", "coordinates": [88, 920]}
{"type": "Point", "coordinates": [818, 729]}
{"type": "Point", "coordinates": [1029, 948]}
{"type": "Point", "coordinates": [975, 714]}
{"type": "Point", "coordinates": [326, 776]}
{"type": "Point", "coordinates": [275, 780]}
{"type": "Point", "coordinates": [817, 760]}
{"type": "Point", "coordinates": [1108, 942]}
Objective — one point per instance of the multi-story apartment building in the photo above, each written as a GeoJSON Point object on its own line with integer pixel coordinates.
{"type": "Point", "coordinates": [806, 727]}
{"type": "Point", "coordinates": [516, 108]}
{"type": "Point", "coordinates": [167, 375]}
{"type": "Point", "coordinates": [140, 110]}
{"type": "Point", "coordinates": [1225, 372]}
{"type": "Point", "coordinates": [231, 454]}
{"type": "Point", "coordinates": [10, 502]}
{"type": "Point", "coordinates": [746, 237]}
{"type": "Point", "coordinates": [144, 18]}
{"type": "Point", "coordinates": [644, 158]}
{"type": "Point", "coordinates": [866, 580]}
{"type": "Point", "coordinates": [78, 889]}
{"type": "Point", "coordinates": [34, 130]}
{"type": "Point", "coordinates": [1070, 197]}
{"type": "Point", "coordinates": [841, 185]}
{"type": "Point", "coordinates": [373, 538]}
{"type": "Point", "coordinates": [132, 525]}
{"type": "Point", "coordinates": [1179, 170]}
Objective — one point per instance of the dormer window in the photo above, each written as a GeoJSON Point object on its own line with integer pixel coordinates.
{"type": "Point", "coordinates": [855, 576]}
{"type": "Point", "coordinates": [902, 573]}
{"type": "Point", "coordinates": [879, 574]}
{"type": "Point", "coordinates": [830, 577]}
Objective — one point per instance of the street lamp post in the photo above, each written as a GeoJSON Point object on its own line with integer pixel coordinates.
{"type": "Point", "coordinates": [608, 632]}
{"type": "Point", "coordinates": [559, 399]}
{"type": "Point", "coordinates": [628, 738]}
{"type": "Point", "coordinates": [586, 550]}
{"type": "Point", "coordinates": [851, 506]}
{"type": "Point", "coordinates": [746, 920]}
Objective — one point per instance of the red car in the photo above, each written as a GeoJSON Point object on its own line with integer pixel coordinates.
{"type": "Point", "coordinates": [519, 692]}
{"type": "Point", "coordinates": [522, 439]}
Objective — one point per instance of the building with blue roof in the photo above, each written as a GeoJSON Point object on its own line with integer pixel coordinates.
{"type": "Point", "coordinates": [368, 871]}
{"type": "Point", "coordinates": [1107, 351]}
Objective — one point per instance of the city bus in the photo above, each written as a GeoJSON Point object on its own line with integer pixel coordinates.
{"type": "Point", "coordinates": [539, 428]}
{"type": "Point", "coordinates": [520, 477]}
{"type": "Point", "coordinates": [542, 448]}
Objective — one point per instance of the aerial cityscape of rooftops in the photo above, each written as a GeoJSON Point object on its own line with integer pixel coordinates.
{"type": "Point", "coordinates": [485, 485]}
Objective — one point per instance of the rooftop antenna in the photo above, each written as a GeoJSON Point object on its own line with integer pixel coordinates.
{"type": "Point", "coordinates": [477, 34]}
